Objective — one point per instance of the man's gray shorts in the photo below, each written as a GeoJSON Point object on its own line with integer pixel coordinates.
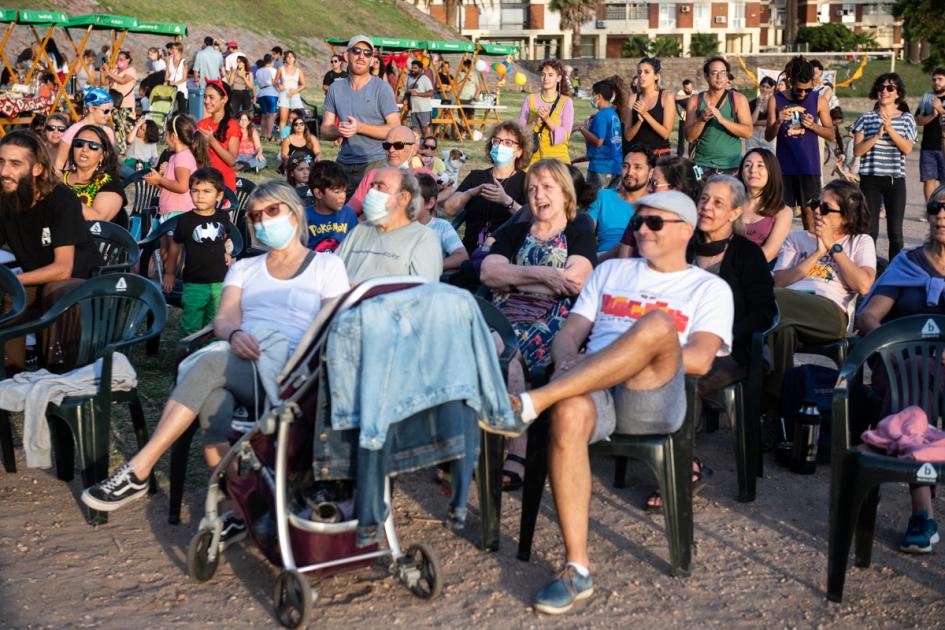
{"type": "Point", "coordinates": [640, 411]}
{"type": "Point", "coordinates": [421, 119]}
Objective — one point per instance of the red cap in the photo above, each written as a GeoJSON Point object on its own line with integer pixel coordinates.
{"type": "Point", "coordinates": [231, 45]}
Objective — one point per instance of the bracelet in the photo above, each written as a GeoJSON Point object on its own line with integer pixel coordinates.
{"type": "Point", "coordinates": [230, 338]}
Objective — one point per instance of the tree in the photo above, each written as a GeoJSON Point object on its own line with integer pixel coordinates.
{"type": "Point", "coordinates": [636, 46]}
{"type": "Point", "coordinates": [574, 14]}
{"type": "Point", "coordinates": [703, 45]}
{"type": "Point", "coordinates": [921, 21]}
{"type": "Point", "coordinates": [834, 37]}
{"type": "Point", "coordinates": [665, 46]}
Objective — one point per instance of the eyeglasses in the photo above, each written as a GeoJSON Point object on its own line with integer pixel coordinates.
{"type": "Point", "coordinates": [504, 141]}
{"type": "Point", "coordinates": [653, 184]}
{"type": "Point", "coordinates": [59, 128]}
{"type": "Point", "coordinates": [823, 208]}
{"type": "Point", "coordinates": [399, 146]}
{"type": "Point", "coordinates": [92, 145]}
{"type": "Point", "coordinates": [363, 52]}
{"type": "Point", "coordinates": [653, 222]}
{"type": "Point", "coordinates": [255, 216]}
{"type": "Point", "coordinates": [934, 207]}
{"type": "Point", "coordinates": [717, 73]}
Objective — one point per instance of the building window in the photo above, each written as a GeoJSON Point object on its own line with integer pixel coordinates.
{"type": "Point", "coordinates": [638, 11]}
{"type": "Point", "coordinates": [588, 47]}
{"type": "Point", "coordinates": [615, 12]}
{"type": "Point", "coordinates": [737, 12]}
{"type": "Point", "coordinates": [667, 15]}
{"type": "Point", "coordinates": [514, 15]}
{"type": "Point", "coordinates": [702, 15]}
{"type": "Point", "coordinates": [849, 13]}
{"type": "Point", "coordinates": [823, 14]}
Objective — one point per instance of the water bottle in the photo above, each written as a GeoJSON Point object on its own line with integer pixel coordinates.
{"type": "Point", "coordinates": [806, 433]}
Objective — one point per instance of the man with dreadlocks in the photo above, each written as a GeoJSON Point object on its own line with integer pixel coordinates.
{"type": "Point", "coordinates": [41, 223]}
{"type": "Point", "coordinates": [797, 115]}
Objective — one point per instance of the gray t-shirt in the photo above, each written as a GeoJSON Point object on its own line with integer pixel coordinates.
{"type": "Point", "coordinates": [412, 250]}
{"type": "Point", "coordinates": [420, 104]}
{"type": "Point", "coordinates": [371, 104]}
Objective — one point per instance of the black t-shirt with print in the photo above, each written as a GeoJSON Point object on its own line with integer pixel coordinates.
{"type": "Point", "coordinates": [114, 186]}
{"type": "Point", "coordinates": [204, 241]}
{"type": "Point", "coordinates": [484, 214]}
{"type": "Point", "coordinates": [331, 76]}
{"type": "Point", "coordinates": [55, 221]}
{"type": "Point", "coordinates": [932, 133]}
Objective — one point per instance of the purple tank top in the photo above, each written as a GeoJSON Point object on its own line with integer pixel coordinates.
{"type": "Point", "coordinates": [798, 149]}
{"type": "Point", "coordinates": [758, 231]}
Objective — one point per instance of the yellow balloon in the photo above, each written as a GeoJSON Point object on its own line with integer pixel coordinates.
{"type": "Point", "coordinates": [520, 79]}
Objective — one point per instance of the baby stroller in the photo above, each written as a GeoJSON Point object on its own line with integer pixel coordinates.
{"type": "Point", "coordinates": [278, 460]}
{"type": "Point", "coordinates": [162, 104]}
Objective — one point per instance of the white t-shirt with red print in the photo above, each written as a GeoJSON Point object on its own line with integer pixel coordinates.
{"type": "Point", "coordinates": [620, 292]}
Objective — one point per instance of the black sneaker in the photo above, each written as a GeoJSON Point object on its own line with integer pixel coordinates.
{"type": "Point", "coordinates": [119, 489]}
{"type": "Point", "coordinates": [234, 530]}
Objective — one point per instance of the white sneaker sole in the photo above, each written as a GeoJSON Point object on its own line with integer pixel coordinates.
{"type": "Point", "coordinates": [232, 540]}
{"type": "Point", "coordinates": [560, 610]}
{"type": "Point", "coordinates": [111, 506]}
{"type": "Point", "coordinates": [916, 549]}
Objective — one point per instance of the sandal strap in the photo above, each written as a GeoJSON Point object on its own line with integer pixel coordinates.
{"type": "Point", "coordinates": [518, 459]}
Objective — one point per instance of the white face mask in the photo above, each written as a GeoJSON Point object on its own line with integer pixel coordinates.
{"type": "Point", "coordinates": [375, 207]}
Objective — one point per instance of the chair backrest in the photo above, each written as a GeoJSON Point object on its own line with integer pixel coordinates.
{"type": "Point", "coordinates": [118, 248]}
{"type": "Point", "coordinates": [142, 200]}
{"type": "Point", "coordinates": [10, 288]}
{"type": "Point", "coordinates": [110, 312]}
{"type": "Point", "coordinates": [243, 189]}
{"type": "Point", "coordinates": [911, 349]}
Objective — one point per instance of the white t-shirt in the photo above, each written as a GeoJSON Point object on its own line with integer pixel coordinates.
{"type": "Point", "coordinates": [619, 292]}
{"type": "Point", "coordinates": [420, 104]}
{"type": "Point", "coordinates": [289, 304]}
{"type": "Point", "coordinates": [824, 279]}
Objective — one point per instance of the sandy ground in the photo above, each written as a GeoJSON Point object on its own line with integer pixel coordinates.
{"type": "Point", "coordinates": [760, 564]}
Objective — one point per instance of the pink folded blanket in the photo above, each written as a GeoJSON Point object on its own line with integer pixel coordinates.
{"type": "Point", "coordinates": [907, 434]}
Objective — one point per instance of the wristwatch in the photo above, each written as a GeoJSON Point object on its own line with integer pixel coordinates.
{"type": "Point", "coordinates": [836, 249]}
{"type": "Point", "coordinates": [510, 205]}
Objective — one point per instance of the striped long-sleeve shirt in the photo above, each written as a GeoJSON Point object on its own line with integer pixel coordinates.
{"type": "Point", "coordinates": [885, 158]}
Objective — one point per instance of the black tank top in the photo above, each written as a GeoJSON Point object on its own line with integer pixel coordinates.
{"type": "Point", "coordinates": [646, 135]}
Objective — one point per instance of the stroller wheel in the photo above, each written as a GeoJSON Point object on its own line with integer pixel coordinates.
{"type": "Point", "coordinates": [199, 564]}
{"type": "Point", "coordinates": [292, 599]}
{"type": "Point", "coordinates": [421, 571]}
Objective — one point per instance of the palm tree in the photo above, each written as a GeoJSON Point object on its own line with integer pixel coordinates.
{"type": "Point", "coordinates": [575, 13]}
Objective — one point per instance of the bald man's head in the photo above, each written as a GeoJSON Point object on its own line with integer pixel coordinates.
{"type": "Point", "coordinates": [400, 145]}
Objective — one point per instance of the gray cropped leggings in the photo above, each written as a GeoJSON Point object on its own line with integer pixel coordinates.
{"type": "Point", "coordinates": [213, 387]}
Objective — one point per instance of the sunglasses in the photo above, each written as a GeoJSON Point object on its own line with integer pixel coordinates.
{"type": "Point", "coordinates": [823, 208]}
{"type": "Point", "coordinates": [104, 111]}
{"type": "Point", "coordinates": [58, 128]}
{"type": "Point", "coordinates": [399, 146]}
{"type": "Point", "coordinates": [298, 123]}
{"type": "Point", "coordinates": [363, 52]}
{"type": "Point", "coordinates": [92, 145]}
{"type": "Point", "coordinates": [934, 207]}
{"type": "Point", "coordinates": [653, 222]}
{"type": "Point", "coordinates": [802, 90]}
{"type": "Point", "coordinates": [428, 147]}
{"type": "Point", "coordinates": [255, 216]}
{"type": "Point", "coordinates": [888, 87]}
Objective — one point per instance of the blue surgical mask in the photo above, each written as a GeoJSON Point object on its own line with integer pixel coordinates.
{"type": "Point", "coordinates": [275, 233]}
{"type": "Point", "coordinates": [594, 104]}
{"type": "Point", "coordinates": [501, 154]}
{"type": "Point", "coordinates": [375, 207]}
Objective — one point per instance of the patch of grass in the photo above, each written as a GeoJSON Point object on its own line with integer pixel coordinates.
{"type": "Point", "coordinates": [917, 81]}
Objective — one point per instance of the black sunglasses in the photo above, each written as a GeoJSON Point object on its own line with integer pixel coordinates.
{"type": "Point", "coordinates": [367, 52]}
{"type": "Point", "coordinates": [396, 145]}
{"type": "Point", "coordinates": [653, 222]}
{"type": "Point", "coordinates": [298, 123]}
{"type": "Point", "coordinates": [430, 147]}
{"type": "Point", "coordinates": [823, 208]}
{"type": "Point", "coordinates": [78, 143]}
{"type": "Point", "coordinates": [798, 90]}
{"type": "Point", "coordinates": [934, 207]}
{"type": "Point", "coordinates": [59, 128]}
{"type": "Point", "coordinates": [888, 87]}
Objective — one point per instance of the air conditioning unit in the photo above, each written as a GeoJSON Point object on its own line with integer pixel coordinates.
{"type": "Point", "coordinates": [685, 8]}
{"type": "Point", "coordinates": [720, 19]}
{"type": "Point", "coordinates": [600, 24]}
{"type": "Point", "coordinates": [839, 12]}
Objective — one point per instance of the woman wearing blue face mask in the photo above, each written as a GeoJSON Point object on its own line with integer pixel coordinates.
{"type": "Point", "coordinates": [267, 301]}
{"type": "Point", "coordinates": [490, 196]}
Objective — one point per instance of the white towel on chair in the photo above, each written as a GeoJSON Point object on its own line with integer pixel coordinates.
{"type": "Point", "coordinates": [31, 393]}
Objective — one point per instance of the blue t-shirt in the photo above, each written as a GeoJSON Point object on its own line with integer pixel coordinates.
{"type": "Point", "coordinates": [327, 231]}
{"type": "Point", "coordinates": [369, 105]}
{"type": "Point", "coordinates": [449, 239]}
{"type": "Point", "coordinates": [611, 214]}
{"type": "Point", "coordinates": [607, 157]}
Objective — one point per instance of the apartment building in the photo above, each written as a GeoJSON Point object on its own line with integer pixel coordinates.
{"type": "Point", "coordinates": [740, 26]}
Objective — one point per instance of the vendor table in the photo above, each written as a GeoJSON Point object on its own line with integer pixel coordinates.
{"type": "Point", "coordinates": [19, 110]}
{"type": "Point", "coordinates": [453, 117]}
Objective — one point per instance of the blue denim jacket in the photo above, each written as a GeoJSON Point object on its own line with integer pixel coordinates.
{"type": "Point", "coordinates": [400, 353]}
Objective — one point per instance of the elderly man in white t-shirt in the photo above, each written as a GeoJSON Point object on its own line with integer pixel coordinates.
{"type": "Point", "coordinates": [648, 322]}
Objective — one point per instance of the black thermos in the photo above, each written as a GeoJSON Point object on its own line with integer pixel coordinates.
{"type": "Point", "coordinates": [806, 433]}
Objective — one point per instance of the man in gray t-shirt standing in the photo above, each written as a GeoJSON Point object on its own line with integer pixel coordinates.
{"type": "Point", "coordinates": [361, 110]}
{"type": "Point", "coordinates": [208, 65]}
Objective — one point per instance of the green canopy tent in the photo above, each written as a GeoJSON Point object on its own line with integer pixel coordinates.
{"type": "Point", "coordinates": [159, 28]}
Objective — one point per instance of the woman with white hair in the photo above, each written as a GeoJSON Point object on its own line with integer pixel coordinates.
{"type": "Point", "coordinates": [282, 290]}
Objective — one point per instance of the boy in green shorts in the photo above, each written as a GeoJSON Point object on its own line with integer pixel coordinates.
{"type": "Point", "coordinates": [202, 235]}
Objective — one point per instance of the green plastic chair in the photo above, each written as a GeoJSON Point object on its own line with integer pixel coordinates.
{"type": "Point", "coordinates": [143, 198]}
{"type": "Point", "coordinates": [911, 350]}
{"type": "Point", "coordinates": [13, 295]}
{"type": "Point", "coordinates": [116, 244]}
{"type": "Point", "coordinates": [670, 457]}
{"type": "Point", "coordinates": [107, 314]}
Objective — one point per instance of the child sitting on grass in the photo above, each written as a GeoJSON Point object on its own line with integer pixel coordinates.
{"type": "Point", "coordinates": [329, 219]}
{"type": "Point", "coordinates": [202, 235]}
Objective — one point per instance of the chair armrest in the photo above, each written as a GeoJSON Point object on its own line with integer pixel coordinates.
{"type": "Point", "coordinates": [193, 341]}
{"type": "Point", "coordinates": [840, 419]}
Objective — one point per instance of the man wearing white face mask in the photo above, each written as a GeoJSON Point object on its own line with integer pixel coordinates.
{"type": "Point", "coordinates": [389, 242]}
{"type": "Point", "coordinates": [400, 146]}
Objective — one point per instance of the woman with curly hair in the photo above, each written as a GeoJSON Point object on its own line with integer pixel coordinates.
{"type": "Point", "coordinates": [549, 114]}
{"type": "Point", "coordinates": [92, 172]}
